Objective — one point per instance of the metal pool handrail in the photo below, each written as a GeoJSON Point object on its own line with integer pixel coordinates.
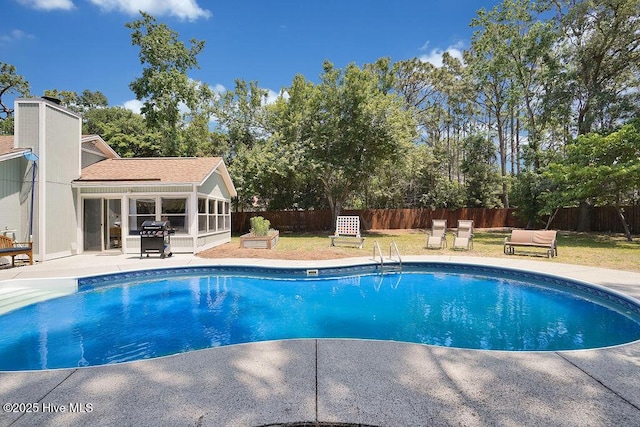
{"type": "Point", "coordinates": [392, 246]}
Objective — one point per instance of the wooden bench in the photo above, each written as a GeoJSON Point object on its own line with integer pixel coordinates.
{"type": "Point", "coordinates": [531, 239]}
{"type": "Point", "coordinates": [10, 248]}
{"type": "Point", "coordinates": [347, 231]}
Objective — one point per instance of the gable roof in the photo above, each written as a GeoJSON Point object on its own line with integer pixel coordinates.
{"type": "Point", "coordinates": [7, 150]}
{"type": "Point", "coordinates": [164, 170]}
{"type": "Point", "coordinates": [6, 144]}
{"type": "Point", "coordinates": [95, 144]}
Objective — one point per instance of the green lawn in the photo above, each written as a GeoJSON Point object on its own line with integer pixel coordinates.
{"type": "Point", "coordinates": [598, 250]}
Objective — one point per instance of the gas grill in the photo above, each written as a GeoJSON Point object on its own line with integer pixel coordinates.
{"type": "Point", "coordinates": [155, 238]}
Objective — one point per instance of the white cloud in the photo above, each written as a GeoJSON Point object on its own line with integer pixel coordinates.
{"type": "Point", "coordinates": [133, 105]}
{"type": "Point", "coordinates": [218, 89]}
{"type": "Point", "coordinates": [182, 9]}
{"type": "Point", "coordinates": [14, 36]}
{"type": "Point", "coordinates": [48, 4]}
{"type": "Point", "coordinates": [434, 56]}
{"type": "Point", "coordinates": [272, 97]}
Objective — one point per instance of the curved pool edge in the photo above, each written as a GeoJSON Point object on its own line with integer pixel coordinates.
{"type": "Point", "coordinates": [356, 381]}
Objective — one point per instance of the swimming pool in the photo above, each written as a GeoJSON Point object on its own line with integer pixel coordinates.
{"type": "Point", "coordinates": [152, 313]}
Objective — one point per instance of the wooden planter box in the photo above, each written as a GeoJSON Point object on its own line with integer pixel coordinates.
{"type": "Point", "coordinates": [259, 242]}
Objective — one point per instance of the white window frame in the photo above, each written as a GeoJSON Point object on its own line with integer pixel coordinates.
{"type": "Point", "coordinates": [158, 215]}
{"type": "Point", "coordinates": [168, 216]}
{"type": "Point", "coordinates": [216, 222]}
{"type": "Point", "coordinates": [132, 217]}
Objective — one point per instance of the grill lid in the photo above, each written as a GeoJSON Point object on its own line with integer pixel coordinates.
{"type": "Point", "coordinates": [155, 225]}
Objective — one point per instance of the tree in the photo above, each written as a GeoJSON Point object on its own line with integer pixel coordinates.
{"type": "Point", "coordinates": [601, 49]}
{"type": "Point", "coordinates": [164, 86]}
{"type": "Point", "coordinates": [494, 81]}
{"type": "Point", "coordinates": [10, 84]}
{"type": "Point", "coordinates": [537, 194]}
{"type": "Point", "coordinates": [604, 169]}
{"type": "Point", "coordinates": [352, 126]}
{"type": "Point", "coordinates": [82, 103]}
{"type": "Point", "coordinates": [6, 126]}
{"type": "Point", "coordinates": [294, 184]}
{"type": "Point", "coordinates": [519, 44]}
{"type": "Point", "coordinates": [124, 130]}
{"type": "Point", "coordinates": [482, 177]}
{"type": "Point", "coordinates": [515, 67]}
{"type": "Point", "coordinates": [241, 114]}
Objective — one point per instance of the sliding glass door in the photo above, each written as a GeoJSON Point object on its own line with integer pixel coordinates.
{"type": "Point", "coordinates": [102, 224]}
{"type": "Point", "coordinates": [92, 224]}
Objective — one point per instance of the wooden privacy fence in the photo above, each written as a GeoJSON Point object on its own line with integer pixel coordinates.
{"type": "Point", "coordinates": [603, 219]}
{"type": "Point", "coordinates": [377, 219]}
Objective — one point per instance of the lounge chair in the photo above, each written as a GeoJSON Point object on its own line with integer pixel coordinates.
{"type": "Point", "coordinates": [464, 235]}
{"type": "Point", "coordinates": [437, 238]}
{"type": "Point", "coordinates": [347, 231]}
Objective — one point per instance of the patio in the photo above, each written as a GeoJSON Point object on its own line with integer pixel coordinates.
{"type": "Point", "coordinates": [335, 381]}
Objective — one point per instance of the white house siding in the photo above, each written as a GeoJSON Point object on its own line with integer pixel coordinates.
{"type": "Point", "coordinates": [61, 167]}
{"type": "Point", "coordinates": [10, 187]}
{"type": "Point", "coordinates": [27, 135]}
{"type": "Point", "coordinates": [53, 134]}
{"type": "Point", "coordinates": [136, 190]}
{"type": "Point", "coordinates": [212, 240]}
{"type": "Point", "coordinates": [27, 132]}
{"type": "Point", "coordinates": [61, 222]}
{"type": "Point", "coordinates": [89, 158]}
{"type": "Point", "coordinates": [215, 187]}
{"type": "Point", "coordinates": [62, 151]}
{"type": "Point", "coordinates": [14, 200]}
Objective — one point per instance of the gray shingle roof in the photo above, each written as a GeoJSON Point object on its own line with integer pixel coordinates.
{"type": "Point", "coordinates": [160, 169]}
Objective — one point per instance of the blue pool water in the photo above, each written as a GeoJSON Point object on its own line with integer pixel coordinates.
{"type": "Point", "coordinates": [114, 319]}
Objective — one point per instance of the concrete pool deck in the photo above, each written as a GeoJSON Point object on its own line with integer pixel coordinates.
{"type": "Point", "coordinates": [334, 381]}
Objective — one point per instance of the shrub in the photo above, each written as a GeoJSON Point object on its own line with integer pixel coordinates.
{"type": "Point", "coordinates": [259, 226]}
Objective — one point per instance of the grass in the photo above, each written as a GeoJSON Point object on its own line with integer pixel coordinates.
{"type": "Point", "coordinates": [596, 250]}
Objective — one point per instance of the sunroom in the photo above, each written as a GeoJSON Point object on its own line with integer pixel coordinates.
{"type": "Point", "coordinates": [117, 195]}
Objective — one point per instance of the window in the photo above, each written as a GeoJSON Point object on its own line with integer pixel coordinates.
{"type": "Point", "coordinates": [213, 215]}
{"type": "Point", "coordinates": [227, 216]}
{"type": "Point", "coordinates": [223, 215]}
{"type": "Point", "coordinates": [220, 215]}
{"type": "Point", "coordinates": [140, 210]}
{"type": "Point", "coordinates": [175, 211]}
{"type": "Point", "coordinates": [202, 215]}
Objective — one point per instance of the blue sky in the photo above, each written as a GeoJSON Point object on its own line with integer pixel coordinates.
{"type": "Point", "coordinates": [83, 44]}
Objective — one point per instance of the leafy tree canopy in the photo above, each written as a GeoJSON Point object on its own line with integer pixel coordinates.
{"type": "Point", "coordinates": [353, 126]}
{"type": "Point", "coordinates": [124, 130]}
{"type": "Point", "coordinates": [11, 83]}
{"type": "Point", "coordinates": [171, 99]}
{"type": "Point", "coordinates": [601, 168]}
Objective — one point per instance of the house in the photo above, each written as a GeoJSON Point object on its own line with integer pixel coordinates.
{"type": "Point", "coordinates": [71, 193]}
